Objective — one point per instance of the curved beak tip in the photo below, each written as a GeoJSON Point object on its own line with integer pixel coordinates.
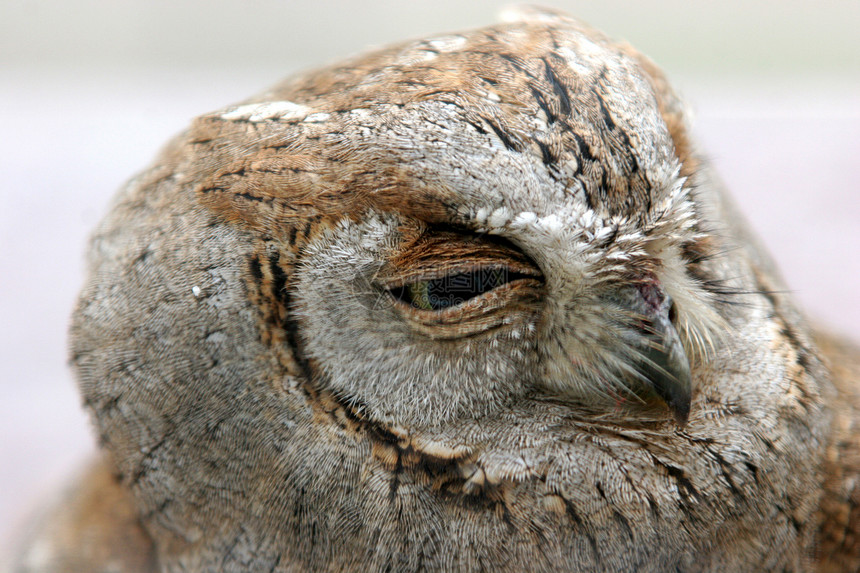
{"type": "Point", "coordinates": [681, 410]}
{"type": "Point", "coordinates": [667, 370]}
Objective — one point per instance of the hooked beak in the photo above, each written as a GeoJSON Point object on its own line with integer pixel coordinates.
{"type": "Point", "coordinates": [662, 362]}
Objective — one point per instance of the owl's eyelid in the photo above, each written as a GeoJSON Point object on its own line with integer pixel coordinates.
{"type": "Point", "coordinates": [439, 251]}
{"type": "Point", "coordinates": [432, 273]}
{"type": "Point", "coordinates": [473, 310]}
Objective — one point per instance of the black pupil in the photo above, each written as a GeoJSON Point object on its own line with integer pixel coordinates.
{"type": "Point", "coordinates": [454, 289]}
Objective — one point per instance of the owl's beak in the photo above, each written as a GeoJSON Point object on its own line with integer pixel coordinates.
{"type": "Point", "coordinates": [662, 362]}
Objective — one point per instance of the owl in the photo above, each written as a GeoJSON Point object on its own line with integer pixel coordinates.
{"type": "Point", "coordinates": [469, 303]}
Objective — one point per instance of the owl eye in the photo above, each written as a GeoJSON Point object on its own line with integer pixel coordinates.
{"type": "Point", "coordinates": [453, 289]}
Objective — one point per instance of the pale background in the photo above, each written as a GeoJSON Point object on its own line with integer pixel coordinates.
{"type": "Point", "coordinates": [89, 90]}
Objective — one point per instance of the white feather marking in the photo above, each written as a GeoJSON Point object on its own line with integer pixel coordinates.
{"type": "Point", "coordinates": [317, 117]}
{"type": "Point", "coordinates": [499, 217]}
{"type": "Point", "coordinates": [552, 223]}
{"type": "Point", "coordinates": [254, 112]}
{"type": "Point", "coordinates": [603, 232]}
{"type": "Point", "coordinates": [447, 43]}
{"type": "Point", "coordinates": [617, 256]}
{"type": "Point", "coordinates": [526, 218]}
{"type": "Point", "coordinates": [492, 96]}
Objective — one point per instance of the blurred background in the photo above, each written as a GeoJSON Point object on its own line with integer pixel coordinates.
{"type": "Point", "coordinates": [89, 90]}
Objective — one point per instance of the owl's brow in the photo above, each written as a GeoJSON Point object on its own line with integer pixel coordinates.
{"type": "Point", "coordinates": [433, 238]}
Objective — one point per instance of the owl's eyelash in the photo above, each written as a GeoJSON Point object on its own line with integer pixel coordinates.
{"type": "Point", "coordinates": [455, 288]}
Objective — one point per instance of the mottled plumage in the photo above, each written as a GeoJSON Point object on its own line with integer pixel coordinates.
{"type": "Point", "coordinates": [467, 303]}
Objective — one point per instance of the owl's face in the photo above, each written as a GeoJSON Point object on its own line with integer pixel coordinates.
{"type": "Point", "coordinates": [476, 291]}
{"type": "Point", "coordinates": [527, 291]}
{"type": "Point", "coordinates": [534, 238]}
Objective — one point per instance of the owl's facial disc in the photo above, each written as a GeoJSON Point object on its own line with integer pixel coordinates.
{"type": "Point", "coordinates": [455, 285]}
{"type": "Point", "coordinates": [417, 326]}
{"type": "Point", "coordinates": [476, 258]}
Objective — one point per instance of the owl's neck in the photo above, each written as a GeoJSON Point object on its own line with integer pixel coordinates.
{"type": "Point", "coordinates": [838, 543]}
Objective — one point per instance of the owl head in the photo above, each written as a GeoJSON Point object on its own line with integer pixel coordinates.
{"type": "Point", "coordinates": [464, 281]}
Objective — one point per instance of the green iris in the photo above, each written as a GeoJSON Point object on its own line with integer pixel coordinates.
{"type": "Point", "coordinates": [419, 295]}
